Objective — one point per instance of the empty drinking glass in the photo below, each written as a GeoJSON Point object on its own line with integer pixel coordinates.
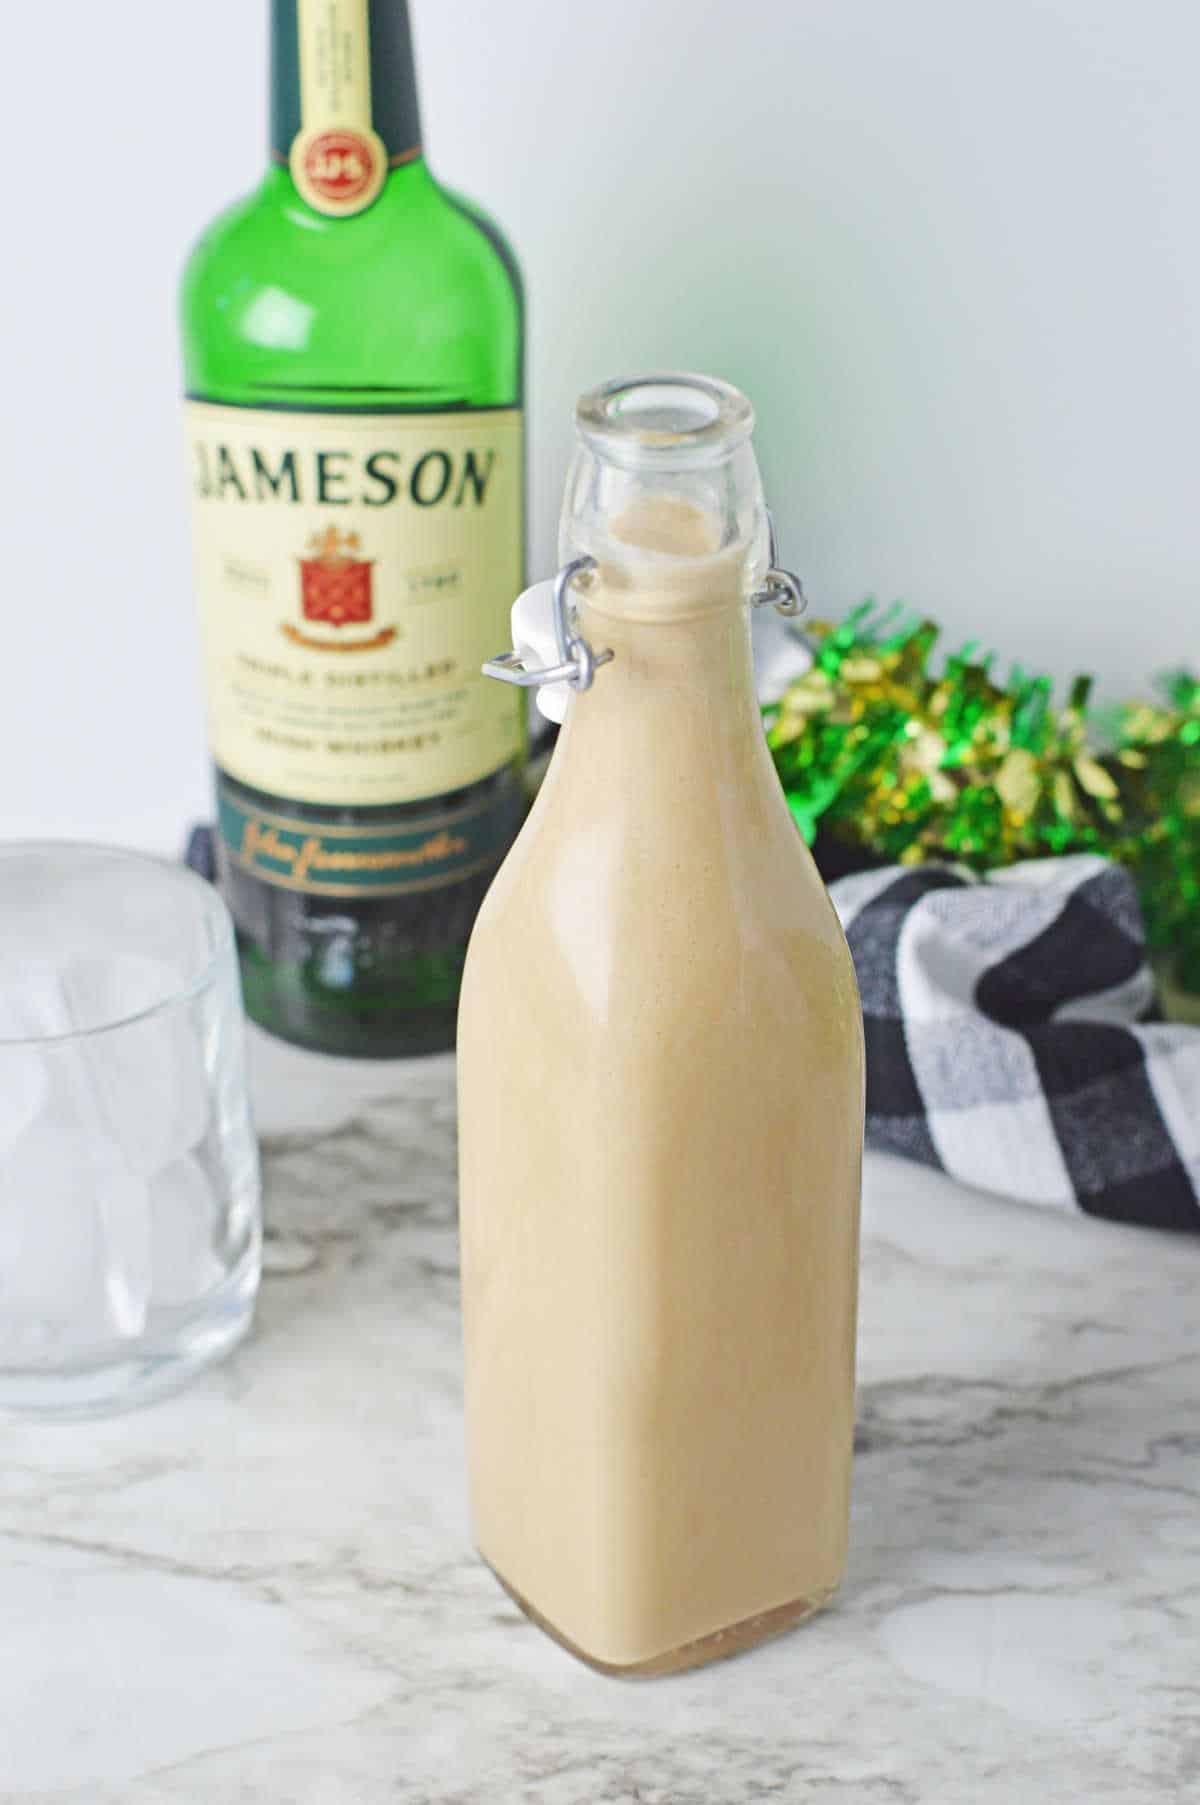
{"type": "Point", "coordinates": [130, 1220]}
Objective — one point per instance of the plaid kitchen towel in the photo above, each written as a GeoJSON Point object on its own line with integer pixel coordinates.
{"type": "Point", "coordinates": [1012, 1040]}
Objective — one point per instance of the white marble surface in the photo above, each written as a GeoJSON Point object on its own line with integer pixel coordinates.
{"type": "Point", "coordinates": [263, 1589]}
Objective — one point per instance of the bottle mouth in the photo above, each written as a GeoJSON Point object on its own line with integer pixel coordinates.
{"type": "Point", "coordinates": [670, 420]}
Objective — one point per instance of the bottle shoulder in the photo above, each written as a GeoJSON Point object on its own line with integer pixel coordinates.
{"type": "Point", "coordinates": [493, 236]}
{"type": "Point", "coordinates": [604, 947]}
{"type": "Point", "coordinates": [270, 232]}
{"type": "Point", "coordinates": [421, 293]}
{"type": "Point", "coordinates": [645, 880]}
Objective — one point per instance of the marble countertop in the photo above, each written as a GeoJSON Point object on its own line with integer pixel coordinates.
{"type": "Point", "coordinates": [263, 1588]}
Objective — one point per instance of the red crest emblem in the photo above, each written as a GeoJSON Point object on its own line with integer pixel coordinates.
{"type": "Point", "coordinates": [336, 590]}
{"type": "Point", "coordinates": [335, 586]}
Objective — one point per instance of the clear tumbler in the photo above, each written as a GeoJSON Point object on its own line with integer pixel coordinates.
{"type": "Point", "coordinates": [130, 1206]}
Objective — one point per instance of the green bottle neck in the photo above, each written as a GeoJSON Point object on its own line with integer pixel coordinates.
{"type": "Point", "coordinates": [395, 109]}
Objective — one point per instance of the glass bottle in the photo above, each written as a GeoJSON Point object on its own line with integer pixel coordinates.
{"type": "Point", "coordinates": [661, 1093]}
{"type": "Point", "coordinates": [352, 344]}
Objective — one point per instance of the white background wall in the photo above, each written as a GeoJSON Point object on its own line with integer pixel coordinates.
{"type": "Point", "coordinates": [950, 247]}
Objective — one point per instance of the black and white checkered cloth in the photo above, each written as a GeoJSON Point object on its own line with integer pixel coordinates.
{"type": "Point", "coordinates": [1012, 1039]}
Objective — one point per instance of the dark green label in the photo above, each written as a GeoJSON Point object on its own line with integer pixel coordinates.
{"type": "Point", "coordinates": [425, 853]}
{"type": "Point", "coordinates": [395, 112]}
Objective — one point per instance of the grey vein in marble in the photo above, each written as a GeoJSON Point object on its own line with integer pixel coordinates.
{"type": "Point", "coordinates": [263, 1589]}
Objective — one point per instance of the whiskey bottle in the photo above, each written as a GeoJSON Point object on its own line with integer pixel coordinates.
{"type": "Point", "coordinates": [353, 349]}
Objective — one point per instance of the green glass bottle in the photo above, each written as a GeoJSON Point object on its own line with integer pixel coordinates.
{"type": "Point", "coordinates": [353, 352]}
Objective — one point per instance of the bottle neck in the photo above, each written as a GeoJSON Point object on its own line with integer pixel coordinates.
{"type": "Point", "coordinates": [344, 107]}
{"type": "Point", "coordinates": [677, 694]}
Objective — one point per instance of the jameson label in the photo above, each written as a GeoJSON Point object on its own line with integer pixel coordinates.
{"type": "Point", "coordinates": [353, 573]}
{"type": "Point", "coordinates": [338, 161]}
{"type": "Point", "coordinates": [363, 861]}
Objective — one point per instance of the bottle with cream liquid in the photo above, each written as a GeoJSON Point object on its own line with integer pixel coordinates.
{"type": "Point", "coordinates": [661, 1090]}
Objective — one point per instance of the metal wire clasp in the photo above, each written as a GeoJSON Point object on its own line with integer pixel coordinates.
{"type": "Point", "coordinates": [782, 589]}
{"type": "Point", "coordinates": [577, 664]}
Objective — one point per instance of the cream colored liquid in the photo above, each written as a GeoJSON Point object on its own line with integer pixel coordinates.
{"type": "Point", "coordinates": [661, 1116]}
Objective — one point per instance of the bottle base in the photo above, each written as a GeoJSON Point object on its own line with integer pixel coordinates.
{"type": "Point", "coordinates": [377, 1025]}
{"type": "Point", "coordinates": [415, 1037]}
{"type": "Point", "coordinates": [719, 1645]}
{"type": "Point", "coordinates": [362, 976]}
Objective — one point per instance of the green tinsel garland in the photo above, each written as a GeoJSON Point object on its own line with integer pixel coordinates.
{"type": "Point", "coordinates": [884, 752]}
